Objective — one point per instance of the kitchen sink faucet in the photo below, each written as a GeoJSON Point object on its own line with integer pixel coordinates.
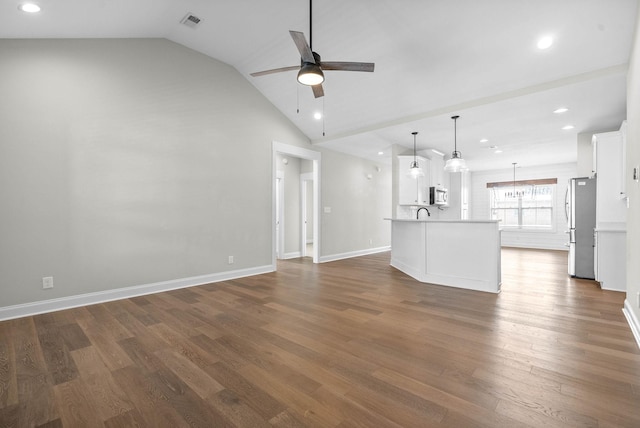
{"type": "Point", "coordinates": [422, 208]}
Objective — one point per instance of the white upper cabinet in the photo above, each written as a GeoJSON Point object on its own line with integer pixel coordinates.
{"type": "Point", "coordinates": [413, 191]}
{"type": "Point", "coordinates": [438, 176]}
{"type": "Point", "coordinates": [608, 168]}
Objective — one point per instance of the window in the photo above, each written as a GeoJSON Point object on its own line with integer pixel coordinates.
{"type": "Point", "coordinates": [528, 204]}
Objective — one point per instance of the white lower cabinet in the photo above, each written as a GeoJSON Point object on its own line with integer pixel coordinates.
{"type": "Point", "coordinates": [610, 259]}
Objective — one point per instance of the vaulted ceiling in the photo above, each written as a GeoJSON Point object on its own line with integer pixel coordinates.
{"type": "Point", "coordinates": [433, 59]}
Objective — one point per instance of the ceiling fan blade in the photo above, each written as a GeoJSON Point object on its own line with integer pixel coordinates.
{"type": "Point", "coordinates": [348, 66]}
{"type": "Point", "coordinates": [275, 70]}
{"type": "Point", "coordinates": [318, 91]}
{"type": "Point", "coordinates": [303, 46]}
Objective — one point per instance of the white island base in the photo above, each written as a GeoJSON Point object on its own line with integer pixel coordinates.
{"type": "Point", "coordinates": [455, 253]}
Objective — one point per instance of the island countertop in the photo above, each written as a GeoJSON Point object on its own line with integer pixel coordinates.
{"type": "Point", "coordinates": [455, 253]}
{"type": "Point", "coordinates": [428, 220]}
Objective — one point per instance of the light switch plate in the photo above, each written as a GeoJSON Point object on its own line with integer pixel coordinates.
{"type": "Point", "coordinates": [47, 282]}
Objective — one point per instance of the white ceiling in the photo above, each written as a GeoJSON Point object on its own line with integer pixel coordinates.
{"type": "Point", "coordinates": [434, 58]}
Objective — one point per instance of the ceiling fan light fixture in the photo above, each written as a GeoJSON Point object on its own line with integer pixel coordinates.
{"type": "Point", "coordinates": [310, 74]}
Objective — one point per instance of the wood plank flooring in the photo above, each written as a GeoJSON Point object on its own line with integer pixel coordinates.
{"type": "Point", "coordinates": [352, 343]}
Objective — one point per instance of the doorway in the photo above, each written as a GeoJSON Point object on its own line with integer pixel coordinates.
{"type": "Point", "coordinates": [312, 182]}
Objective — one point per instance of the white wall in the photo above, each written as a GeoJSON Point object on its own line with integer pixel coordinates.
{"type": "Point", "coordinates": [479, 204]}
{"type": "Point", "coordinates": [632, 305]}
{"type": "Point", "coordinates": [131, 162]}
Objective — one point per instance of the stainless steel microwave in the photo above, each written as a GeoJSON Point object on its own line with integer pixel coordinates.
{"type": "Point", "coordinates": [438, 196]}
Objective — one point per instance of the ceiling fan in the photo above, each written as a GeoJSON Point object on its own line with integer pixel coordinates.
{"type": "Point", "coordinates": [311, 66]}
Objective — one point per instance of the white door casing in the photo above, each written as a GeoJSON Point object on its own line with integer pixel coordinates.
{"type": "Point", "coordinates": [315, 157]}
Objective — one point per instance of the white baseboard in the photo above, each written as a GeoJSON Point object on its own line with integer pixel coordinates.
{"type": "Point", "coordinates": [293, 255]}
{"type": "Point", "coordinates": [633, 321]}
{"type": "Point", "coordinates": [52, 305]}
{"type": "Point", "coordinates": [535, 246]}
{"type": "Point", "coordinates": [604, 287]}
{"type": "Point", "coordinates": [350, 254]}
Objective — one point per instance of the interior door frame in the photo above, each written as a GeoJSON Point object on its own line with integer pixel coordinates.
{"type": "Point", "coordinates": [279, 219]}
{"type": "Point", "coordinates": [304, 178]}
{"type": "Point", "coordinates": [315, 157]}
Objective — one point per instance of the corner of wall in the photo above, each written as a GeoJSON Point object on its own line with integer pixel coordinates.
{"type": "Point", "coordinates": [633, 321]}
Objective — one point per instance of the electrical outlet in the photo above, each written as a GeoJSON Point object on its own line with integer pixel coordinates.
{"type": "Point", "coordinates": [370, 241]}
{"type": "Point", "coordinates": [47, 282]}
{"type": "Point", "coordinates": [230, 260]}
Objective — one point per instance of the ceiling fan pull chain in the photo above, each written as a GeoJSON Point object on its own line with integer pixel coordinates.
{"type": "Point", "coordinates": [323, 116]}
{"type": "Point", "coordinates": [298, 99]}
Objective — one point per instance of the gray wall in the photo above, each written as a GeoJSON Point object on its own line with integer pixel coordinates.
{"type": "Point", "coordinates": [633, 187]}
{"type": "Point", "coordinates": [358, 204]}
{"type": "Point", "coordinates": [128, 162]}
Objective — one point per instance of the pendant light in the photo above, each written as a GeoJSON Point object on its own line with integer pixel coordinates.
{"type": "Point", "coordinates": [519, 193]}
{"type": "Point", "coordinates": [414, 169]}
{"type": "Point", "coordinates": [455, 163]}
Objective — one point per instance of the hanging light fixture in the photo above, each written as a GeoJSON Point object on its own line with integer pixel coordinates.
{"type": "Point", "coordinates": [515, 193]}
{"type": "Point", "coordinates": [455, 163]}
{"type": "Point", "coordinates": [414, 169]}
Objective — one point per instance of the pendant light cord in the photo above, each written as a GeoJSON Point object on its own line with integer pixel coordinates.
{"type": "Point", "coordinates": [415, 159]}
{"type": "Point", "coordinates": [455, 133]}
{"type": "Point", "coordinates": [323, 116]}
{"type": "Point", "coordinates": [514, 179]}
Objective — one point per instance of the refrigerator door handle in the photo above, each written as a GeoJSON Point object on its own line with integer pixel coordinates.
{"type": "Point", "coordinates": [566, 204]}
{"type": "Point", "coordinates": [572, 236]}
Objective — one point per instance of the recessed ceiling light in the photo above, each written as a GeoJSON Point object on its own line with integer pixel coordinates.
{"type": "Point", "coordinates": [568, 127]}
{"type": "Point", "coordinates": [29, 7]}
{"type": "Point", "coordinates": [561, 110]}
{"type": "Point", "coordinates": [380, 153]}
{"type": "Point", "coordinates": [498, 151]}
{"type": "Point", "coordinates": [545, 42]}
{"type": "Point", "coordinates": [317, 115]}
{"type": "Point", "coordinates": [484, 140]}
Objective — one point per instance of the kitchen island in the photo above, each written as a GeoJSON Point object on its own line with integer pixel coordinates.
{"type": "Point", "coordinates": [455, 253]}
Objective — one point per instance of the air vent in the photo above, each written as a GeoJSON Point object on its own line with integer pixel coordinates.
{"type": "Point", "coordinates": [190, 20]}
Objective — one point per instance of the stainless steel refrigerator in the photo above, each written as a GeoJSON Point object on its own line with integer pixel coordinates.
{"type": "Point", "coordinates": [580, 210]}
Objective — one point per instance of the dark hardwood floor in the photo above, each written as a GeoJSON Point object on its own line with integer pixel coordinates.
{"type": "Point", "coordinates": [352, 343]}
